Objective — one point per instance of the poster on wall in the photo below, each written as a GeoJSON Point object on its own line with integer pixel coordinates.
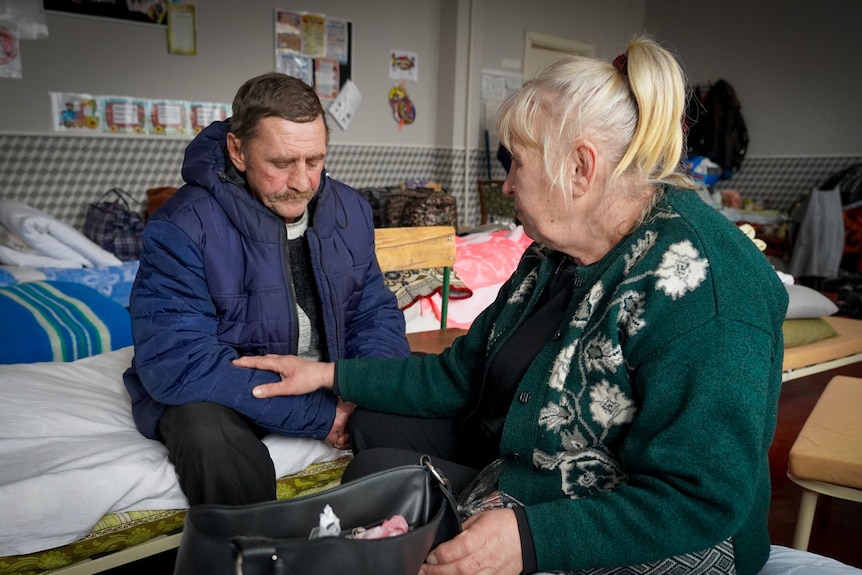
{"type": "Point", "coordinates": [75, 112]}
{"type": "Point", "coordinates": [202, 114]}
{"type": "Point", "coordinates": [169, 117]}
{"type": "Point", "coordinates": [326, 82]}
{"type": "Point", "coordinates": [125, 115]}
{"type": "Point", "coordinates": [315, 49]}
{"type": "Point", "coordinates": [71, 112]}
{"type": "Point", "coordinates": [140, 11]}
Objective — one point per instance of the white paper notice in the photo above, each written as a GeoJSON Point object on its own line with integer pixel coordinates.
{"type": "Point", "coordinates": [344, 107]}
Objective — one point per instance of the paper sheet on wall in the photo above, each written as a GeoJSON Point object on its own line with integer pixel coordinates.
{"type": "Point", "coordinates": [181, 29]}
{"type": "Point", "coordinates": [344, 107]}
{"type": "Point", "coordinates": [10, 56]}
{"type": "Point", "coordinates": [326, 78]}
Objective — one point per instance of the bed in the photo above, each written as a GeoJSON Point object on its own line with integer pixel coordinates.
{"type": "Point", "coordinates": [73, 459]}
{"type": "Point", "coordinates": [843, 348]}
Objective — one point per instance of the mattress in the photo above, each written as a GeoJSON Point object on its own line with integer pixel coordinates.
{"type": "Point", "coordinates": [828, 353]}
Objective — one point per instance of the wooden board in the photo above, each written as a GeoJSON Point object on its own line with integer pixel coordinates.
{"type": "Point", "coordinates": [415, 247]}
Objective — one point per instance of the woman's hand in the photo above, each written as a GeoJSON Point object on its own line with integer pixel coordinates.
{"type": "Point", "coordinates": [298, 376]}
{"type": "Point", "coordinates": [489, 544]}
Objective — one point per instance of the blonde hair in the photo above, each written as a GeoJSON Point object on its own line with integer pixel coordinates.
{"type": "Point", "coordinates": [633, 116]}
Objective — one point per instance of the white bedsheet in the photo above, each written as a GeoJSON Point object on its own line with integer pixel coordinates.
{"type": "Point", "coordinates": [70, 453]}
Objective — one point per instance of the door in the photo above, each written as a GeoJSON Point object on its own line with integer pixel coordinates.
{"type": "Point", "coordinates": [542, 49]}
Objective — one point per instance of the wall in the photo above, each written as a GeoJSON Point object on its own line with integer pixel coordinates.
{"type": "Point", "coordinates": [454, 39]}
{"type": "Point", "coordinates": [235, 42]}
{"type": "Point", "coordinates": [793, 63]}
{"type": "Point", "coordinates": [790, 62]}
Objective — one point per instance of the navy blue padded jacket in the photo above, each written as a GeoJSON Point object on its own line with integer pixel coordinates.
{"type": "Point", "coordinates": [213, 284]}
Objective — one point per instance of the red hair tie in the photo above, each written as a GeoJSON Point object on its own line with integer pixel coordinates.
{"type": "Point", "coordinates": [621, 63]}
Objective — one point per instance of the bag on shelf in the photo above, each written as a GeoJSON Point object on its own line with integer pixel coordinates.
{"type": "Point", "coordinates": [274, 536]}
{"type": "Point", "coordinates": [115, 226]}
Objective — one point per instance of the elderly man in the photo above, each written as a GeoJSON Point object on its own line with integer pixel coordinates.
{"type": "Point", "coordinates": [260, 252]}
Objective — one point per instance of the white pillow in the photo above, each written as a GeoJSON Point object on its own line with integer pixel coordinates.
{"type": "Point", "coordinates": [807, 303]}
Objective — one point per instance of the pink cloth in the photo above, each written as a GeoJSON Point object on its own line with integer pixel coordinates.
{"type": "Point", "coordinates": [489, 258]}
{"type": "Point", "coordinates": [483, 261]}
{"type": "Point", "coordinates": [395, 525]}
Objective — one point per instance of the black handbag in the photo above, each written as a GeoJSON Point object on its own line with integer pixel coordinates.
{"type": "Point", "coordinates": [273, 537]}
{"type": "Point", "coordinates": [115, 226]}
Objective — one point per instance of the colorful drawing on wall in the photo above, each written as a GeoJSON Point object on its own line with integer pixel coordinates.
{"type": "Point", "coordinates": [10, 61]}
{"type": "Point", "coordinates": [169, 117]}
{"type": "Point", "coordinates": [403, 65]}
{"type": "Point", "coordinates": [75, 112]}
{"type": "Point", "coordinates": [142, 11]}
{"type": "Point", "coordinates": [204, 114]}
{"type": "Point", "coordinates": [403, 109]}
{"type": "Point", "coordinates": [125, 115]}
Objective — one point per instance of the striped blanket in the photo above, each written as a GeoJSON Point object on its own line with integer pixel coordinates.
{"type": "Point", "coordinates": [59, 321]}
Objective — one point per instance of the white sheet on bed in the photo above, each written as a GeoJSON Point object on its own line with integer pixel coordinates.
{"type": "Point", "coordinates": [70, 453]}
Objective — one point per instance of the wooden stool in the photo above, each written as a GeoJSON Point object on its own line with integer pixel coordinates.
{"type": "Point", "coordinates": [827, 455]}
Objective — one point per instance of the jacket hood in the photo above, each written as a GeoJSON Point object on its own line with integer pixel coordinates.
{"type": "Point", "coordinates": [204, 167]}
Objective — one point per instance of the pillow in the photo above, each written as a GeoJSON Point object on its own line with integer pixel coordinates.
{"type": "Point", "coordinates": [806, 330]}
{"type": "Point", "coordinates": [59, 321]}
{"type": "Point", "coordinates": [806, 302]}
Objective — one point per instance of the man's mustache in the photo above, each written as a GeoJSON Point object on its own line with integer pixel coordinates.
{"type": "Point", "coordinates": [290, 195]}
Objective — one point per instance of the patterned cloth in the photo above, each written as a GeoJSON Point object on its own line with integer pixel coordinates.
{"type": "Point", "coordinates": [410, 286]}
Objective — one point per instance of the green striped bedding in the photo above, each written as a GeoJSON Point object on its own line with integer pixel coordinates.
{"type": "Point", "coordinates": [59, 321]}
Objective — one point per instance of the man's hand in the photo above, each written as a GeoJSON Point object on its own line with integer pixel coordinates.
{"type": "Point", "coordinates": [338, 436]}
{"type": "Point", "coordinates": [298, 376]}
{"type": "Point", "coordinates": [490, 544]}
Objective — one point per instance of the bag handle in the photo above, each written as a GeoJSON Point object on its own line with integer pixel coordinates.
{"type": "Point", "coordinates": [122, 194]}
{"type": "Point", "coordinates": [453, 518]}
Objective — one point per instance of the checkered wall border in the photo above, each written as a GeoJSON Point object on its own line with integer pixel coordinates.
{"type": "Point", "coordinates": [61, 174]}
{"type": "Point", "coordinates": [777, 183]}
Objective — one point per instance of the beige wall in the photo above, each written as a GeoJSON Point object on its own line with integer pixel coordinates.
{"type": "Point", "coordinates": [794, 64]}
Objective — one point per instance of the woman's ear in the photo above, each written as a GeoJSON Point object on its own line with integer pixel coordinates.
{"type": "Point", "coordinates": [584, 166]}
{"type": "Point", "coordinates": [234, 151]}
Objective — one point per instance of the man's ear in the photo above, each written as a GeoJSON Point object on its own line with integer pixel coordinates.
{"type": "Point", "coordinates": [234, 151]}
{"type": "Point", "coordinates": [584, 166]}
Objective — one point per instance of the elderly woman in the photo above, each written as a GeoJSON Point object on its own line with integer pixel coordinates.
{"type": "Point", "coordinates": [627, 375]}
